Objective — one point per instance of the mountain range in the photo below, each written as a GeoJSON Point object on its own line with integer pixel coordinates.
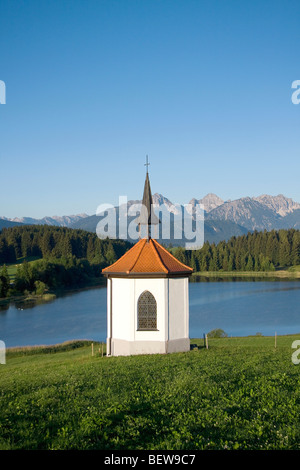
{"type": "Point", "coordinates": [223, 219]}
{"type": "Point", "coordinates": [60, 221]}
{"type": "Point", "coordinates": [259, 213]}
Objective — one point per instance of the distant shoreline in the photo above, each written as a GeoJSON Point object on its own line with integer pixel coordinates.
{"type": "Point", "coordinates": [279, 274]}
{"type": "Point", "coordinates": [51, 295]}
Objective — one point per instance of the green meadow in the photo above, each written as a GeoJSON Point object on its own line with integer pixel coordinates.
{"type": "Point", "coordinates": [240, 393]}
{"type": "Point", "coordinates": [12, 268]}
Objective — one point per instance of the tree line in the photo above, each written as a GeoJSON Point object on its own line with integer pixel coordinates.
{"type": "Point", "coordinates": [48, 241]}
{"type": "Point", "coordinates": [68, 257]}
{"type": "Point", "coordinates": [257, 251]}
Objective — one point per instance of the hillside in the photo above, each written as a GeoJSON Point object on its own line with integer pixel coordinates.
{"type": "Point", "coordinates": [251, 214]}
{"type": "Point", "coordinates": [7, 223]}
{"type": "Point", "coordinates": [240, 393]}
{"type": "Point", "coordinates": [291, 220]}
{"type": "Point", "coordinates": [58, 221]}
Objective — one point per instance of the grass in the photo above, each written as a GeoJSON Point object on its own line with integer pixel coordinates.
{"type": "Point", "coordinates": [241, 393]}
{"type": "Point", "coordinates": [12, 268]}
{"type": "Point", "coordinates": [12, 271]}
{"type": "Point", "coordinates": [294, 269]}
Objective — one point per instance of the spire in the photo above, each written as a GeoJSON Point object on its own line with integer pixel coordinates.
{"type": "Point", "coordinates": [147, 163]}
{"type": "Point", "coordinates": [147, 216]}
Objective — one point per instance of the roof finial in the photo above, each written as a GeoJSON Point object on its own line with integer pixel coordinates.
{"type": "Point", "coordinates": [147, 163]}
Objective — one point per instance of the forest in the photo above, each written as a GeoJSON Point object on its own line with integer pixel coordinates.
{"type": "Point", "coordinates": [257, 251]}
{"type": "Point", "coordinates": [66, 258]}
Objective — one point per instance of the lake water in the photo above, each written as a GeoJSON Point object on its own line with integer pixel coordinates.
{"type": "Point", "coordinates": [240, 308]}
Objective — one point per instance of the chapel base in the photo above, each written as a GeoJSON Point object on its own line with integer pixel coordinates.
{"type": "Point", "coordinates": [120, 347]}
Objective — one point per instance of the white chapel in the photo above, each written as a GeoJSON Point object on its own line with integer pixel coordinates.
{"type": "Point", "coordinates": [147, 296]}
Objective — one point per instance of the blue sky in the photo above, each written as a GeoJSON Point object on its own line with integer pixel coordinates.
{"type": "Point", "coordinates": [202, 87]}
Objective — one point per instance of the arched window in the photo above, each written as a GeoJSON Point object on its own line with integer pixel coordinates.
{"type": "Point", "coordinates": [147, 312]}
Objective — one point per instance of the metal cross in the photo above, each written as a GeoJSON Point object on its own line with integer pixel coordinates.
{"type": "Point", "coordinates": [147, 164]}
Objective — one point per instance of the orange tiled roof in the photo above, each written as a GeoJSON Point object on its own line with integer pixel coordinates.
{"type": "Point", "coordinates": [147, 257]}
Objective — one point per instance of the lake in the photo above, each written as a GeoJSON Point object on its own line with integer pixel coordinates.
{"type": "Point", "coordinates": [240, 308]}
